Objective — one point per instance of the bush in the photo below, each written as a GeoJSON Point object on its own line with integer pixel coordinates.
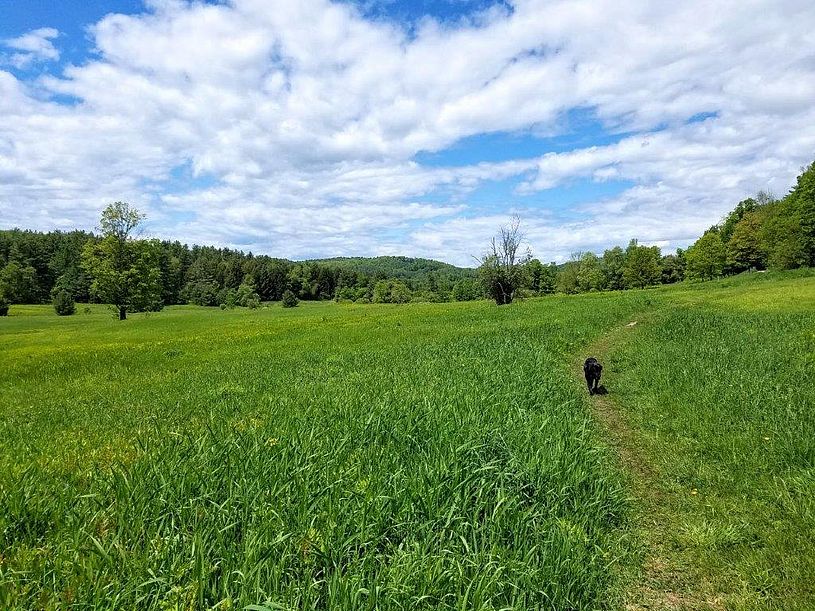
{"type": "Point", "coordinates": [64, 304]}
{"type": "Point", "coordinates": [289, 299]}
{"type": "Point", "coordinates": [3, 305]}
{"type": "Point", "coordinates": [227, 298]}
{"type": "Point", "coordinates": [253, 302]}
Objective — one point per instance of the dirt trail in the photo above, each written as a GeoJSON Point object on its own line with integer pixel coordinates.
{"type": "Point", "coordinates": [659, 584]}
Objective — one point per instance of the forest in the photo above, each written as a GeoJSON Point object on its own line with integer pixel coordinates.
{"type": "Point", "coordinates": [760, 233]}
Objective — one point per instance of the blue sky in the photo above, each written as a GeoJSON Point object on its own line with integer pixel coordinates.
{"type": "Point", "coordinates": [322, 128]}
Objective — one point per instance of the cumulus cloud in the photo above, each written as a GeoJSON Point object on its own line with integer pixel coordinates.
{"type": "Point", "coordinates": [300, 122]}
{"type": "Point", "coordinates": [32, 47]}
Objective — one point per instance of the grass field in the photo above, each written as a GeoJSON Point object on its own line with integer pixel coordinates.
{"type": "Point", "coordinates": [421, 456]}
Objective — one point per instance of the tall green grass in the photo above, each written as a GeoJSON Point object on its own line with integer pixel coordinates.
{"type": "Point", "coordinates": [425, 456]}
{"type": "Point", "coordinates": [720, 391]}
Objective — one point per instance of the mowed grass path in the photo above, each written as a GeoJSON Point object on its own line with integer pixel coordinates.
{"type": "Point", "coordinates": [717, 394]}
{"type": "Point", "coordinates": [329, 456]}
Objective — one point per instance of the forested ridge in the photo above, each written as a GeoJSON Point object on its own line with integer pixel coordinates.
{"type": "Point", "coordinates": [760, 233]}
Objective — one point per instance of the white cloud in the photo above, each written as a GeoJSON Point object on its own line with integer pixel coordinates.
{"type": "Point", "coordinates": [300, 121]}
{"type": "Point", "coordinates": [32, 47]}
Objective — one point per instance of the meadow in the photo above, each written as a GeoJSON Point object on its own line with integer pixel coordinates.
{"type": "Point", "coordinates": [346, 456]}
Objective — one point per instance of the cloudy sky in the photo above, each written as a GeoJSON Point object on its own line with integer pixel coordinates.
{"type": "Point", "coordinates": [313, 128]}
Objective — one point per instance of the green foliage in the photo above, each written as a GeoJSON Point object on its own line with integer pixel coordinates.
{"type": "Point", "coordinates": [125, 272]}
{"type": "Point", "coordinates": [289, 300]}
{"type": "Point", "coordinates": [745, 249]}
{"type": "Point", "coordinates": [119, 220]}
{"type": "Point", "coordinates": [19, 283]}
{"type": "Point", "coordinates": [202, 292]}
{"type": "Point", "coordinates": [803, 202]}
{"type": "Point", "coordinates": [64, 304]}
{"type": "Point", "coordinates": [589, 273]}
{"type": "Point", "coordinates": [567, 279]}
{"type": "Point", "coordinates": [246, 295]}
{"type": "Point", "coordinates": [4, 304]}
{"type": "Point", "coordinates": [228, 298]}
{"type": "Point", "coordinates": [613, 264]}
{"type": "Point", "coordinates": [728, 226]}
{"type": "Point", "coordinates": [642, 266]}
{"type": "Point", "coordinates": [706, 258]}
{"type": "Point", "coordinates": [673, 267]}
{"type": "Point", "coordinates": [391, 291]}
{"type": "Point", "coordinates": [466, 289]}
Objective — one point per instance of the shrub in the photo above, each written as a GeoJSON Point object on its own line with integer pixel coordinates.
{"type": "Point", "coordinates": [3, 305]}
{"type": "Point", "coordinates": [64, 304]}
{"type": "Point", "coordinates": [253, 302]}
{"type": "Point", "coordinates": [289, 299]}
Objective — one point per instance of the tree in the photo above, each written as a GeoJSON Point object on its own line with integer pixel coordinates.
{"type": "Point", "coordinates": [501, 269]}
{"type": "Point", "coordinates": [246, 293]}
{"type": "Point", "coordinates": [64, 304]}
{"type": "Point", "coordinates": [567, 276]}
{"type": "Point", "coordinates": [19, 283]}
{"type": "Point", "coordinates": [673, 267]}
{"type": "Point", "coordinates": [744, 250]}
{"type": "Point", "coordinates": [642, 266]}
{"type": "Point", "coordinates": [590, 273]}
{"type": "Point", "coordinates": [125, 271]}
{"type": "Point", "coordinates": [706, 258]}
{"type": "Point", "coordinates": [466, 290]}
{"type": "Point", "coordinates": [289, 299]}
{"type": "Point", "coordinates": [612, 265]}
{"type": "Point", "coordinates": [803, 203]}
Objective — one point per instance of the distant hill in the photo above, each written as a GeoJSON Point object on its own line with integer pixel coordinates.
{"type": "Point", "coordinates": [409, 268]}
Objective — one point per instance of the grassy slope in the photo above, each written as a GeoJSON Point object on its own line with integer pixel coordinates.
{"type": "Point", "coordinates": [341, 456]}
{"type": "Point", "coordinates": [718, 392]}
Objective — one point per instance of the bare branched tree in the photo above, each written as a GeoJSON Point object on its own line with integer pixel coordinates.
{"type": "Point", "coordinates": [500, 268]}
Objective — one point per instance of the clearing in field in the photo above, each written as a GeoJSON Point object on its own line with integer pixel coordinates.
{"type": "Point", "coordinates": [421, 456]}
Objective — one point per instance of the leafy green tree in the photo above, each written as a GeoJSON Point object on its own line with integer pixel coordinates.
{"type": "Point", "coordinates": [502, 268]}
{"type": "Point", "coordinates": [745, 250]}
{"type": "Point", "coordinates": [706, 258]}
{"type": "Point", "coordinates": [642, 266]}
{"type": "Point", "coordinates": [612, 265]}
{"type": "Point", "coordinates": [391, 291]}
{"type": "Point", "coordinates": [4, 304]}
{"type": "Point", "coordinates": [400, 293]}
{"type": "Point", "coordinates": [567, 281]}
{"type": "Point", "coordinates": [289, 299]}
{"type": "Point", "coordinates": [590, 273]}
{"type": "Point", "coordinates": [202, 292]}
{"type": "Point", "coordinates": [728, 225]}
{"type": "Point", "coordinates": [803, 203]}
{"type": "Point", "coordinates": [466, 289]}
{"type": "Point", "coordinates": [673, 267]}
{"type": "Point", "coordinates": [19, 283]}
{"type": "Point", "coordinates": [125, 271]}
{"type": "Point", "coordinates": [246, 292]}
{"type": "Point", "coordinates": [64, 304]}
{"type": "Point", "coordinates": [782, 236]}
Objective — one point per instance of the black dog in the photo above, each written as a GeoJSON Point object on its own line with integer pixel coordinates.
{"type": "Point", "coordinates": [592, 369]}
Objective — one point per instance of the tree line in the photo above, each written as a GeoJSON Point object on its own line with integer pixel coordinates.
{"type": "Point", "coordinates": [143, 275]}
{"type": "Point", "coordinates": [760, 233]}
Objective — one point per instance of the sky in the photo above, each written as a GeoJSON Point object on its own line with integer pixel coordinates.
{"type": "Point", "coordinates": [322, 128]}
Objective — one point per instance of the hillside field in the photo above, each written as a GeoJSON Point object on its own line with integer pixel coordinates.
{"type": "Point", "coordinates": [419, 456]}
